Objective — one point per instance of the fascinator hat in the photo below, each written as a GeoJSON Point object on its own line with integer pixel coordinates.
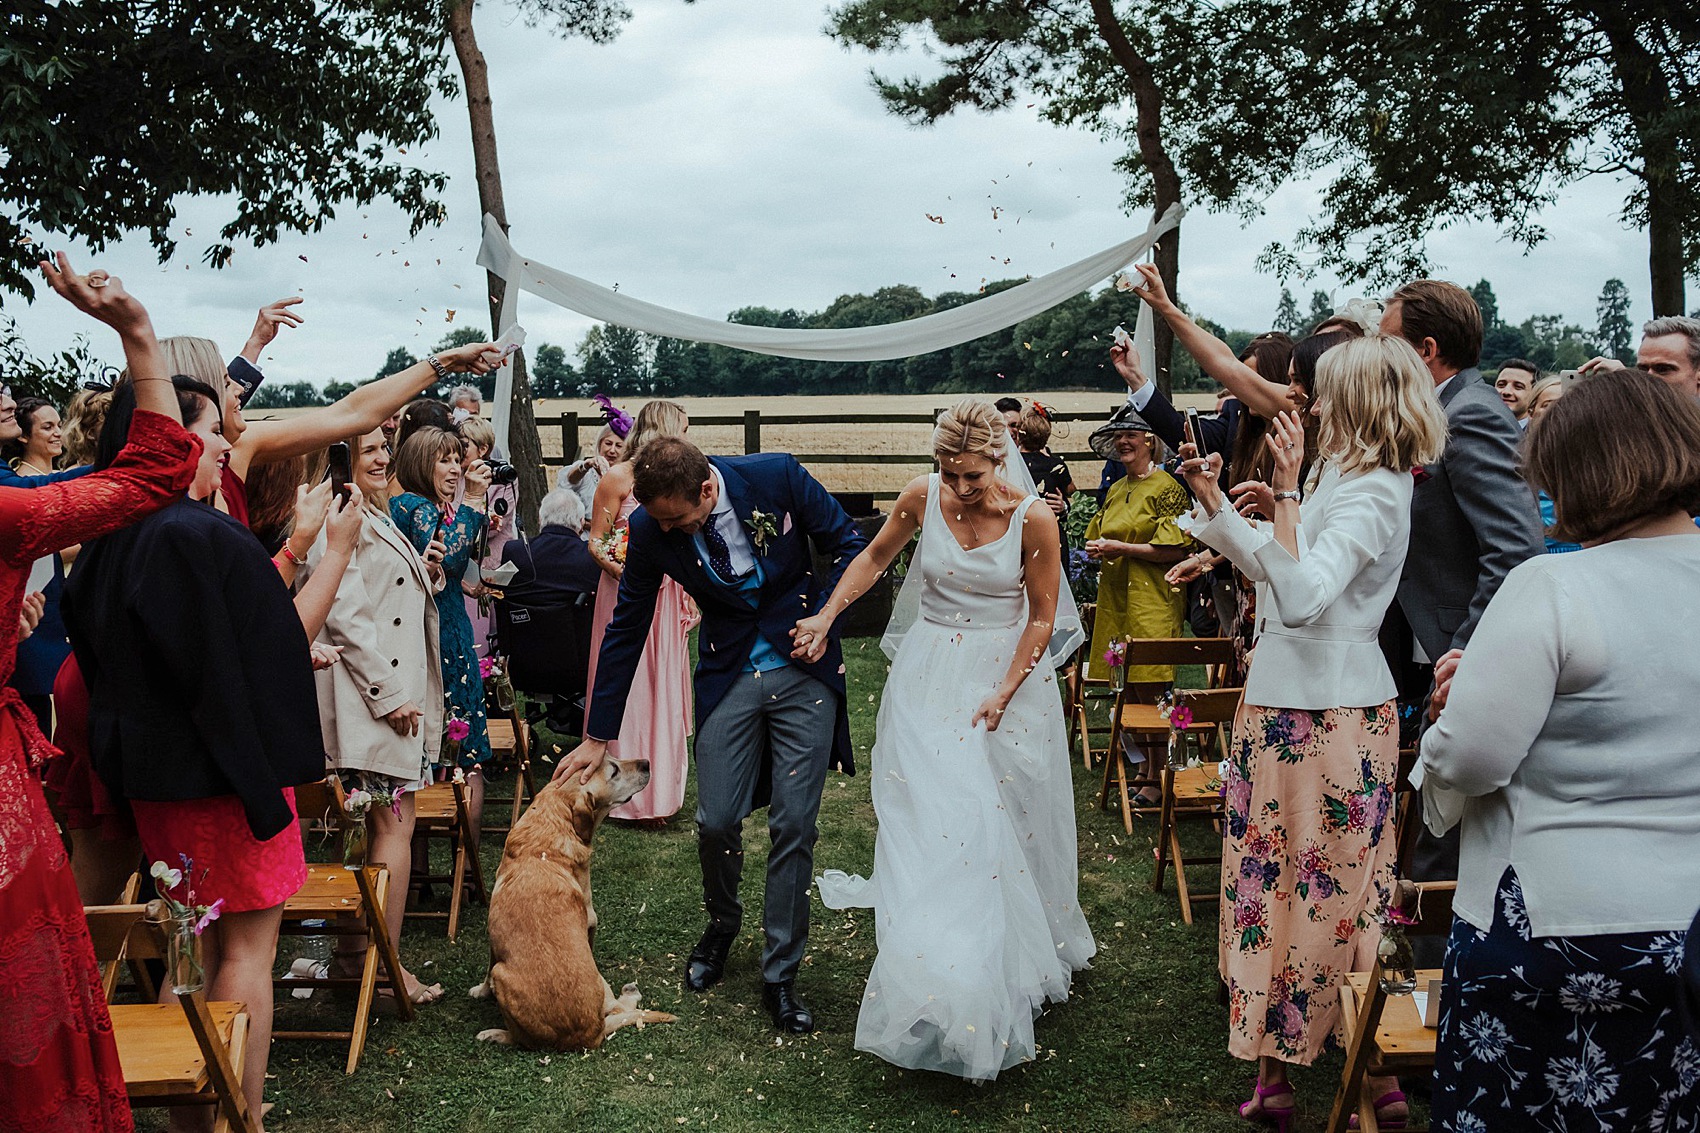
{"type": "Point", "coordinates": [1124, 420]}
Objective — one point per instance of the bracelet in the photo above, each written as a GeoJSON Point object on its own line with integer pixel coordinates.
{"type": "Point", "coordinates": [288, 553]}
{"type": "Point", "coordinates": [1295, 495]}
{"type": "Point", "coordinates": [441, 370]}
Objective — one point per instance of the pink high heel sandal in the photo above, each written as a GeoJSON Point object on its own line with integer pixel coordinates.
{"type": "Point", "coordinates": [1390, 1098]}
{"type": "Point", "coordinates": [1279, 1116]}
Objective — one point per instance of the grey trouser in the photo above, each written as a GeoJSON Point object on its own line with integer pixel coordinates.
{"type": "Point", "coordinates": [783, 719]}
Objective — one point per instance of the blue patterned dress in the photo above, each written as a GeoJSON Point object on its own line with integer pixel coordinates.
{"type": "Point", "coordinates": [1562, 1034]}
{"type": "Point", "coordinates": [418, 519]}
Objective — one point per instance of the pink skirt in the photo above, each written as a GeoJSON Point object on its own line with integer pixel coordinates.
{"type": "Point", "coordinates": [658, 718]}
{"type": "Point", "coordinates": [229, 862]}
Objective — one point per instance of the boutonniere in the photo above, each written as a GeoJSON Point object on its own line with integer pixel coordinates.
{"type": "Point", "coordinates": [762, 528]}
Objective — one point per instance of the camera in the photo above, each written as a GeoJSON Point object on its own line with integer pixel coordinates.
{"type": "Point", "coordinates": [502, 472]}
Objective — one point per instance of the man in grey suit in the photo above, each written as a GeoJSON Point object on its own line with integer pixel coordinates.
{"type": "Point", "coordinates": [1472, 516]}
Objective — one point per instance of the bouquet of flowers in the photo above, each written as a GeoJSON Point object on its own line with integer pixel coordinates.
{"type": "Point", "coordinates": [1115, 656]}
{"type": "Point", "coordinates": [357, 804]}
{"type": "Point", "coordinates": [455, 731]}
{"type": "Point", "coordinates": [613, 545]}
{"type": "Point", "coordinates": [1172, 707]}
{"type": "Point", "coordinates": [497, 685]}
{"type": "Point", "coordinates": [189, 919]}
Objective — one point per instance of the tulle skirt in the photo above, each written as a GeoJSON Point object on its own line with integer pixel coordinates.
{"type": "Point", "coordinates": [975, 873]}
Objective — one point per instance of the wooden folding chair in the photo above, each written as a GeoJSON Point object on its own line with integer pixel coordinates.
{"type": "Point", "coordinates": [340, 902]}
{"type": "Point", "coordinates": [1385, 1035]}
{"type": "Point", "coordinates": [188, 1054]}
{"type": "Point", "coordinates": [1143, 724]}
{"type": "Point", "coordinates": [440, 811]}
{"type": "Point", "coordinates": [110, 970]}
{"type": "Point", "coordinates": [1192, 793]}
{"type": "Point", "coordinates": [510, 742]}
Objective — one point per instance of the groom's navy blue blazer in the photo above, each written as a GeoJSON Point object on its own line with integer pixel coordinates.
{"type": "Point", "coordinates": [777, 485]}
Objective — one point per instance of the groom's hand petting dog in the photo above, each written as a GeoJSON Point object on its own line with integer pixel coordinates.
{"type": "Point", "coordinates": [581, 761]}
{"type": "Point", "coordinates": [542, 971]}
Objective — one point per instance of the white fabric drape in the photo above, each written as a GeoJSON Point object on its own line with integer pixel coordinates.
{"type": "Point", "coordinates": [854, 344]}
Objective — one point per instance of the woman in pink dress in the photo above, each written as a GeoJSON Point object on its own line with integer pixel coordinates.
{"type": "Point", "coordinates": [658, 713]}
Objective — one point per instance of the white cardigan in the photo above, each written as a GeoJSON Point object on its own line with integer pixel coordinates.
{"type": "Point", "coordinates": [1570, 745]}
{"type": "Point", "coordinates": [1319, 615]}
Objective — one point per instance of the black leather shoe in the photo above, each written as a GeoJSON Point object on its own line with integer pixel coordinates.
{"type": "Point", "coordinates": [707, 962]}
{"type": "Point", "coordinates": [790, 1013]}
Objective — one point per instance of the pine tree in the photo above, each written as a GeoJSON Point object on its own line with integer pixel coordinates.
{"type": "Point", "coordinates": [1287, 315]}
{"type": "Point", "coordinates": [1614, 331]}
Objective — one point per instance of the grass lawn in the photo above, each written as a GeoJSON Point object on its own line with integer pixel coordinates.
{"type": "Point", "coordinates": [1139, 1046]}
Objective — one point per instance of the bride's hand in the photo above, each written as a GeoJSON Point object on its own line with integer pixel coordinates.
{"type": "Point", "coordinates": [1201, 476]}
{"type": "Point", "coordinates": [991, 711]}
{"type": "Point", "coordinates": [811, 637]}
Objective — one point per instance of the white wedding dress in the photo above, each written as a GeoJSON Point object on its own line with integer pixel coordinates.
{"type": "Point", "coordinates": [974, 886]}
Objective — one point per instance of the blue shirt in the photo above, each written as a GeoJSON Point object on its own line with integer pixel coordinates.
{"type": "Point", "coordinates": [763, 656]}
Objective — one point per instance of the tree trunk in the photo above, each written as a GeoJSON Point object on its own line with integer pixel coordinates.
{"type": "Point", "coordinates": [1166, 180]}
{"type": "Point", "coordinates": [1647, 98]}
{"type": "Point", "coordinates": [526, 449]}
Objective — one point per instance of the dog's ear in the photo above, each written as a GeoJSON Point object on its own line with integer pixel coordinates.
{"type": "Point", "coordinates": [585, 803]}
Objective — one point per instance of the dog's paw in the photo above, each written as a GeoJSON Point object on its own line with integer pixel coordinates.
{"type": "Point", "coordinates": [482, 991]}
{"type": "Point", "coordinates": [630, 989]}
{"type": "Point", "coordinates": [496, 1035]}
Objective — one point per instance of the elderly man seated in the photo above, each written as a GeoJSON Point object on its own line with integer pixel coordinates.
{"type": "Point", "coordinates": [555, 566]}
{"type": "Point", "coordinates": [543, 617]}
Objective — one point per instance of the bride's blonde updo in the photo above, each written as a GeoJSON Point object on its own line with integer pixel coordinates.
{"type": "Point", "coordinates": [972, 425]}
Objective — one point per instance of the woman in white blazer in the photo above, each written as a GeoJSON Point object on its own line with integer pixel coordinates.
{"type": "Point", "coordinates": [381, 706]}
{"type": "Point", "coordinates": [1308, 853]}
{"type": "Point", "coordinates": [1567, 753]}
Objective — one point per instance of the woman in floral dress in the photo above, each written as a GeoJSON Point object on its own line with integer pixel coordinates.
{"type": "Point", "coordinates": [428, 470]}
{"type": "Point", "coordinates": [1308, 854]}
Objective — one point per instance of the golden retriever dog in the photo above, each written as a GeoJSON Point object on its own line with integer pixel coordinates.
{"type": "Point", "coordinates": [542, 921]}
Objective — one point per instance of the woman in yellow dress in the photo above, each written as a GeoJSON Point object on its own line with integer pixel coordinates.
{"type": "Point", "coordinates": [1135, 538]}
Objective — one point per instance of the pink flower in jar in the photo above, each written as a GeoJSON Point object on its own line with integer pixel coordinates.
{"type": "Point", "coordinates": [457, 730]}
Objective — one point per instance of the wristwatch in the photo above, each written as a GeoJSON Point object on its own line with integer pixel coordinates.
{"type": "Point", "coordinates": [1295, 495]}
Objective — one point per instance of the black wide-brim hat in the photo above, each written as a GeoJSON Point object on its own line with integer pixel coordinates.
{"type": "Point", "coordinates": [1124, 420]}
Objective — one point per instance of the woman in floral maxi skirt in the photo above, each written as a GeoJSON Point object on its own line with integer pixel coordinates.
{"type": "Point", "coordinates": [1308, 855]}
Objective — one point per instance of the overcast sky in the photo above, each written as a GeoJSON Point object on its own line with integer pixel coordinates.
{"type": "Point", "coordinates": [728, 154]}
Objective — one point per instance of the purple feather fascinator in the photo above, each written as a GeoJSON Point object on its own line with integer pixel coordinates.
{"type": "Point", "coordinates": [618, 419]}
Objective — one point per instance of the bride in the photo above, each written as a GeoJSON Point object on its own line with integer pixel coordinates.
{"type": "Point", "coordinates": [974, 880]}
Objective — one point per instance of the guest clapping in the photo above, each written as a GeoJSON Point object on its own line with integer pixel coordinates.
{"type": "Point", "coordinates": [1308, 857]}
{"type": "Point", "coordinates": [381, 706]}
{"type": "Point", "coordinates": [1565, 754]}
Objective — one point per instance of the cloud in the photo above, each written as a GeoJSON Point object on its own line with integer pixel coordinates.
{"type": "Point", "coordinates": [728, 154]}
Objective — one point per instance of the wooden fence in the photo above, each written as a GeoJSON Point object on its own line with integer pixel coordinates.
{"type": "Point", "coordinates": [753, 420]}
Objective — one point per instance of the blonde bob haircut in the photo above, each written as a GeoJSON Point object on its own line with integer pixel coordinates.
{"type": "Point", "coordinates": [194, 358]}
{"type": "Point", "coordinates": [478, 431]}
{"type": "Point", "coordinates": [415, 466]}
{"type": "Point", "coordinates": [655, 419]}
{"type": "Point", "coordinates": [1378, 407]}
{"type": "Point", "coordinates": [971, 426]}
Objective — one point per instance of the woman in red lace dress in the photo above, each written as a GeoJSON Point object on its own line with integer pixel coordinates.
{"type": "Point", "coordinates": [58, 1063]}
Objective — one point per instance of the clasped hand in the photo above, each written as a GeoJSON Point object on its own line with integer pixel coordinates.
{"type": "Point", "coordinates": [811, 636]}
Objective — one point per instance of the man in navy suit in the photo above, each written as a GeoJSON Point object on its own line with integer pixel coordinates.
{"type": "Point", "coordinates": [735, 532]}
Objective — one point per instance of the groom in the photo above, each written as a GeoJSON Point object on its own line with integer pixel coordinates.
{"type": "Point", "coordinates": [734, 532]}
